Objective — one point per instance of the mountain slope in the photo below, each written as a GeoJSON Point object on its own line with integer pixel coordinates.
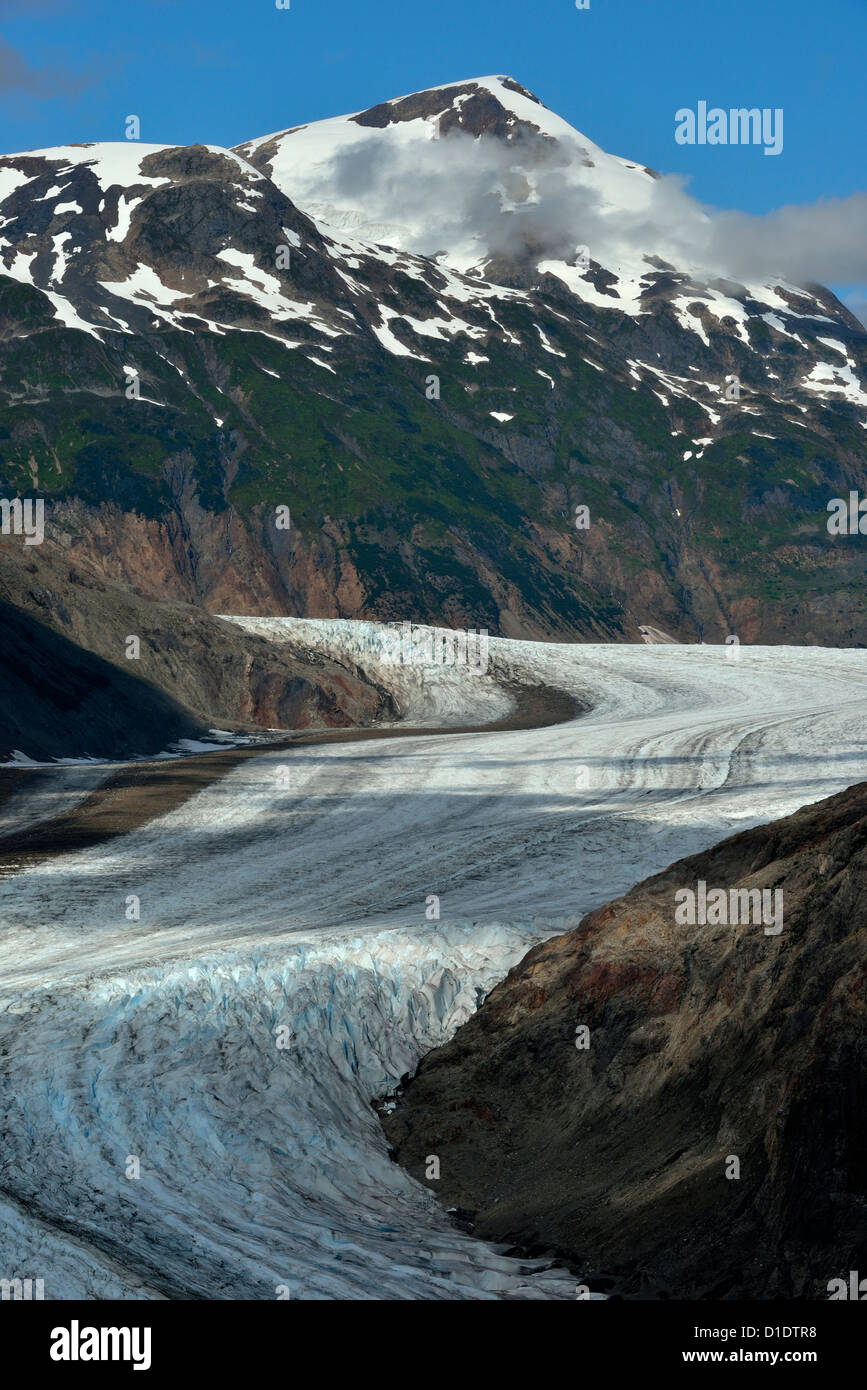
{"type": "Point", "coordinates": [706, 1043]}
{"type": "Point", "coordinates": [57, 699]}
{"type": "Point", "coordinates": [67, 687]}
{"type": "Point", "coordinates": [193, 337]}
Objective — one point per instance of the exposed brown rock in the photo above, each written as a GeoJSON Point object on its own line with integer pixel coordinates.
{"type": "Point", "coordinates": [212, 672]}
{"type": "Point", "coordinates": [705, 1042]}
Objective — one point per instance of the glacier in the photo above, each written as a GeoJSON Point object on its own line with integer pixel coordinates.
{"type": "Point", "coordinates": [289, 903]}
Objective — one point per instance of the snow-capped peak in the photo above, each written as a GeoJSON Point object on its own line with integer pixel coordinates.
{"type": "Point", "coordinates": [457, 169]}
{"type": "Point", "coordinates": [483, 177]}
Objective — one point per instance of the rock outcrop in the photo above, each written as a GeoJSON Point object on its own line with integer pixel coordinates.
{"type": "Point", "coordinates": [710, 1139]}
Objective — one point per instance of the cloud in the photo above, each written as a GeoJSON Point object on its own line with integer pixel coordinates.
{"type": "Point", "coordinates": [532, 196]}
{"type": "Point", "coordinates": [824, 241]}
{"type": "Point", "coordinates": [16, 75]}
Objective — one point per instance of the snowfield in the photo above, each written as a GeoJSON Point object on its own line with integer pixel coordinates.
{"type": "Point", "coordinates": [292, 902]}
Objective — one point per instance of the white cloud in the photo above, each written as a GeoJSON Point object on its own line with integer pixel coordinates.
{"type": "Point", "coordinates": [533, 195]}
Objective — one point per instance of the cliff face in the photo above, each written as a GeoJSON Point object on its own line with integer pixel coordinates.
{"type": "Point", "coordinates": [707, 1044]}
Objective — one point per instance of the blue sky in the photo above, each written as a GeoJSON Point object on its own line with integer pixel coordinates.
{"type": "Point", "coordinates": [221, 72]}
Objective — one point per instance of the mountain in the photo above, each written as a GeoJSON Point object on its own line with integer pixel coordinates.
{"type": "Point", "coordinates": [56, 697]}
{"type": "Point", "coordinates": [706, 1043]}
{"type": "Point", "coordinates": [432, 330]}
